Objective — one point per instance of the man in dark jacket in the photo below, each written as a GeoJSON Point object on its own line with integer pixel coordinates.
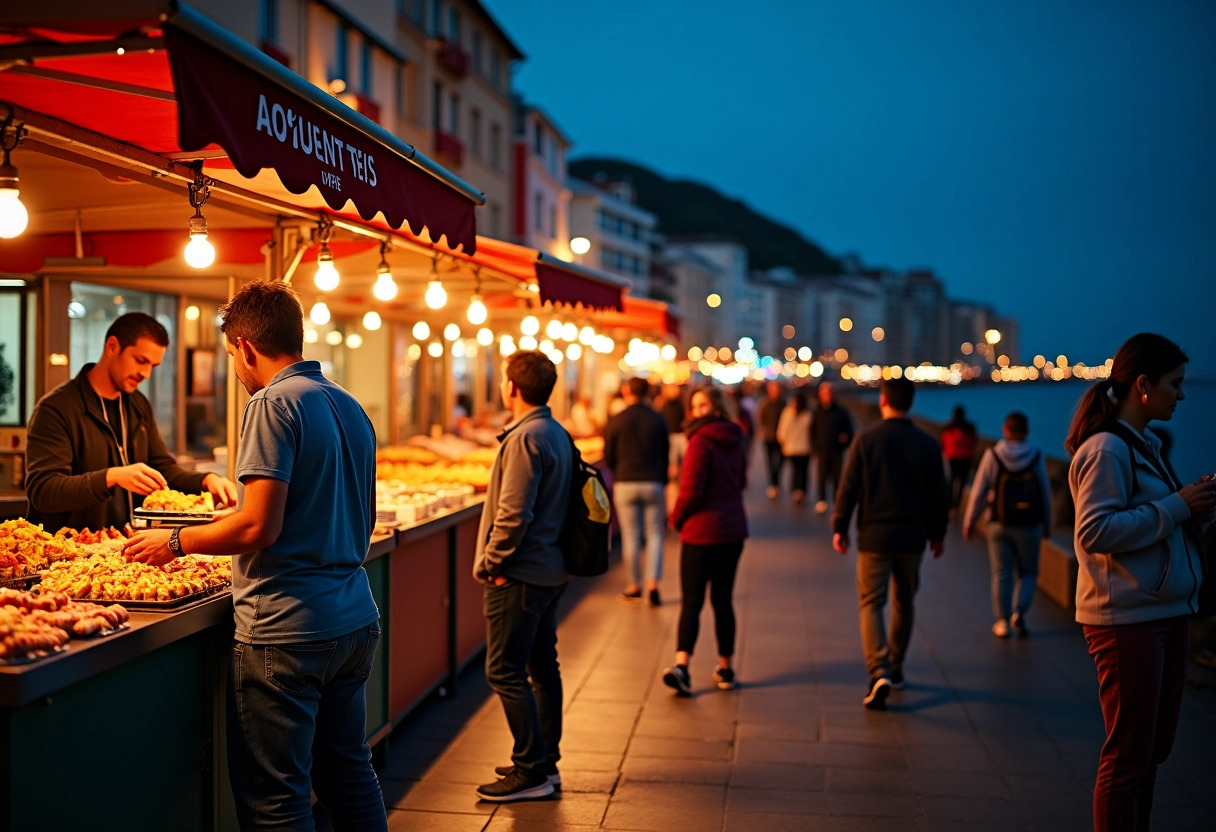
{"type": "Point", "coordinates": [831, 433]}
{"type": "Point", "coordinates": [893, 477]}
{"type": "Point", "coordinates": [636, 452]}
{"type": "Point", "coordinates": [93, 450]}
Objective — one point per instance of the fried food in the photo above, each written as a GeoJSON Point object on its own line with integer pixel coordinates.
{"type": "Point", "coordinates": [105, 577]}
{"type": "Point", "coordinates": [166, 499]}
{"type": "Point", "coordinates": [34, 623]}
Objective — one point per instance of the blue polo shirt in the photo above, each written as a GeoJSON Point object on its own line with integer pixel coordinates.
{"type": "Point", "coordinates": [309, 585]}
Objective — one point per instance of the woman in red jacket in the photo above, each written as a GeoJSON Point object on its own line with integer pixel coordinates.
{"type": "Point", "coordinates": [712, 524]}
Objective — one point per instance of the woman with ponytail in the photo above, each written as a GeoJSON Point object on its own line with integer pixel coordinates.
{"type": "Point", "coordinates": [1139, 569]}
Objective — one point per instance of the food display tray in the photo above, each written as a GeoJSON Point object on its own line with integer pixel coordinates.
{"type": "Point", "coordinates": [31, 659]}
{"type": "Point", "coordinates": [22, 582]}
{"type": "Point", "coordinates": [126, 625]}
{"type": "Point", "coordinates": [149, 518]}
{"type": "Point", "coordinates": [160, 606]}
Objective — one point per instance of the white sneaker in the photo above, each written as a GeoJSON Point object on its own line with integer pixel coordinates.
{"type": "Point", "coordinates": [1001, 628]}
{"type": "Point", "coordinates": [821, 507]}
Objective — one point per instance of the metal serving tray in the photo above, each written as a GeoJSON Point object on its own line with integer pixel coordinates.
{"type": "Point", "coordinates": [145, 518]}
{"type": "Point", "coordinates": [160, 606]}
{"type": "Point", "coordinates": [31, 659]}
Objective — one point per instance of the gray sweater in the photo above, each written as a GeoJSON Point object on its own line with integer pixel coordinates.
{"type": "Point", "coordinates": [1136, 561]}
{"type": "Point", "coordinates": [526, 503]}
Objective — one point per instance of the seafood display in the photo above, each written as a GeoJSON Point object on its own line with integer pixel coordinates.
{"type": "Point", "coordinates": [38, 623]}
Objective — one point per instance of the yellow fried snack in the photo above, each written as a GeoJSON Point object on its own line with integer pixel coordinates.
{"type": "Point", "coordinates": [166, 499]}
{"type": "Point", "coordinates": [111, 578]}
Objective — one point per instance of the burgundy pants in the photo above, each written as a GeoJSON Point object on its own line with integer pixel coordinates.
{"type": "Point", "coordinates": [1141, 677]}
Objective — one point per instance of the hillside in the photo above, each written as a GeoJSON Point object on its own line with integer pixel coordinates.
{"type": "Point", "coordinates": [686, 208]}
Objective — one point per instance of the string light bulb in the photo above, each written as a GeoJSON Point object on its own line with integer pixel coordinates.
{"type": "Point", "coordinates": [319, 314]}
{"type": "Point", "coordinates": [529, 325]}
{"type": "Point", "coordinates": [385, 288]}
{"type": "Point", "coordinates": [14, 218]}
{"type": "Point", "coordinates": [436, 297]}
{"type": "Point", "coordinates": [199, 252]}
{"type": "Point", "coordinates": [421, 330]}
{"type": "Point", "coordinates": [327, 277]}
{"type": "Point", "coordinates": [371, 320]}
{"type": "Point", "coordinates": [477, 312]}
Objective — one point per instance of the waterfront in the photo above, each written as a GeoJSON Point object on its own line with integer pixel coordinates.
{"type": "Point", "coordinates": [1050, 406]}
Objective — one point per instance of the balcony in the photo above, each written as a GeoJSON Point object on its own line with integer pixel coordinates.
{"type": "Point", "coordinates": [449, 150]}
{"type": "Point", "coordinates": [452, 58]}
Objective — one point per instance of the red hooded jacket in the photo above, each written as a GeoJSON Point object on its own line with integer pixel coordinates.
{"type": "Point", "coordinates": [709, 509]}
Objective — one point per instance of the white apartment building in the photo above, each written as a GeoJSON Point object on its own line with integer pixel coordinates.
{"type": "Point", "coordinates": [745, 308]}
{"type": "Point", "coordinates": [542, 199]}
{"type": "Point", "coordinates": [619, 231]}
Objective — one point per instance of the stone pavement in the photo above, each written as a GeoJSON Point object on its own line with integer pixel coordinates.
{"type": "Point", "coordinates": [990, 734]}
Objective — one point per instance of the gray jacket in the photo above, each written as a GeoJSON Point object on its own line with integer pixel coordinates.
{"type": "Point", "coordinates": [1136, 561]}
{"type": "Point", "coordinates": [1016, 456]}
{"type": "Point", "coordinates": [526, 503]}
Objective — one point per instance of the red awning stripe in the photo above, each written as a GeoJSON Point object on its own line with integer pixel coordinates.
{"type": "Point", "coordinates": [559, 285]}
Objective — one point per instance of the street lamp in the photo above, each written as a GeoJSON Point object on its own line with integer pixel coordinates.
{"type": "Point", "coordinates": [580, 245]}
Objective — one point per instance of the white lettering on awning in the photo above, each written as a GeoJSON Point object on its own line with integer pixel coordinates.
{"type": "Point", "coordinates": [313, 140]}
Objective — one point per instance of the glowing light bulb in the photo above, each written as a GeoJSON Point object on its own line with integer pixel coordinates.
{"type": "Point", "coordinates": [333, 337]}
{"type": "Point", "coordinates": [326, 277]}
{"type": "Point", "coordinates": [354, 341]}
{"type": "Point", "coordinates": [435, 296]}
{"type": "Point", "coordinates": [371, 321]}
{"type": "Point", "coordinates": [385, 288]}
{"type": "Point", "coordinates": [13, 216]}
{"type": "Point", "coordinates": [528, 342]}
{"type": "Point", "coordinates": [485, 337]}
{"type": "Point", "coordinates": [310, 335]}
{"type": "Point", "coordinates": [319, 314]}
{"type": "Point", "coordinates": [668, 352]}
{"type": "Point", "coordinates": [586, 336]}
{"type": "Point", "coordinates": [477, 311]}
{"type": "Point", "coordinates": [199, 252]}
{"type": "Point", "coordinates": [574, 352]}
{"type": "Point", "coordinates": [192, 313]}
{"type": "Point", "coordinates": [451, 332]}
{"type": "Point", "coordinates": [554, 328]}
{"type": "Point", "coordinates": [580, 245]}
{"type": "Point", "coordinates": [434, 349]}
{"type": "Point", "coordinates": [529, 325]}
{"type": "Point", "coordinates": [569, 331]}
{"type": "Point", "coordinates": [421, 331]}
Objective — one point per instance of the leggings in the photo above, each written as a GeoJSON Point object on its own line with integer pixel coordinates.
{"type": "Point", "coordinates": [714, 564]}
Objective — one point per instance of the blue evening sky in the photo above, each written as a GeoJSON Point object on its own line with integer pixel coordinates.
{"type": "Point", "coordinates": [1055, 158]}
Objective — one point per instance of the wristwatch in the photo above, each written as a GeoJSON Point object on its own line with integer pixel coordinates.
{"type": "Point", "coordinates": [175, 544]}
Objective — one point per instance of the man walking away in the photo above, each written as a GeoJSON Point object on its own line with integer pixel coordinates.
{"type": "Point", "coordinates": [831, 433]}
{"type": "Point", "coordinates": [519, 562]}
{"type": "Point", "coordinates": [768, 418]}
{"type": "Point", "coordinates": [635, 451]}
{"type": "Point", "coordinates": [893, 477]}
{"type": "Point", "coordinates": [1012, 484]}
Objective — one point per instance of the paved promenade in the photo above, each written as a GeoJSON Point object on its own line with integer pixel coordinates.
{"type": "Point", "coordinates": [990, 734]}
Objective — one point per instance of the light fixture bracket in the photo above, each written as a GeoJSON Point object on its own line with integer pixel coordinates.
{"type": "Point", "coordinates": [12, 133]}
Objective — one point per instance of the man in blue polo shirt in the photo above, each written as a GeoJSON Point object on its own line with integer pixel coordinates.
{"type": "Point", "coordinates": [306, 623]}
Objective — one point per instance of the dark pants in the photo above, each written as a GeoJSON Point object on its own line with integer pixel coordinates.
{"type": "Point", "coordinates": [798, 467]}
{"type": "Point", "coordinates": [714, 565]}
{"type": "Point", "coordinates": [521, 645]}
{"type": "Point", "coordinates": [296, 724]}
{"type": "Point", "coordinates": [1141, 677]}
{"type": "Point", "coordinates": [828, 470]}
{"type": "Point", "coordinates": [960, 471]}
{"type": "Point", "coordinates": [876, 573]}
{"type": "Point", "coordinates": [775, 459]}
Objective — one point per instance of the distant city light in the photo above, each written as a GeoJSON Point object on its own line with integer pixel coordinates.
{"type": "Point", "coordinates": [967, 348]}
{"type": "Point", "coordinates": [841, 355]}
{"type": "Point", "coordinates": [992, 336]}
{"type": "Point", "coordinates": [846, 324]}
{"type": "Point", "coordinates": [713, 301]}
{"type": "Point", "coordinates": [787, 331]}
{"type": "Point", "coordinates": [877, 333]}
{"type": "Point", "coordinates": [746, 343]}
{"type": "Point", "coordinates": [695, 354]}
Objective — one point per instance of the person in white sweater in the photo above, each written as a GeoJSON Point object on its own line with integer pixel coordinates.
{"type": "Point", "coordinates": [1011, 483]}
{"type": "Point", "coordinates": [1137, 537]}
{"type": "Point", "coordinates": [794, 434]}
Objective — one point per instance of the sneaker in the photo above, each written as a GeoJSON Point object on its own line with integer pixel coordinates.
{"type": "Point", "coordinates": [1019, 625]}
{"type": "Point", "coordinates": [677, 677]}
{"type": "Point", "coordinates": [515, 786]}
{"type": "Point", "coordinates": [876, 694]}
{"type": "Point", "coordinates": [1000, 629]}
{"type": "Point", "coordinates": [821, 507]}
{"type": "Point", "coordinates": [631, 597]}
{"type": "Point", "coordinates": [725, 678]}
{"type": "Point", "coordinates": [555, 777]}
{"type": "Point", "coordinates": [655, 600]}
{"type": "Point", "coordinates": [772, 492]}
{"type": "Point", "coordinates": [897, 680]}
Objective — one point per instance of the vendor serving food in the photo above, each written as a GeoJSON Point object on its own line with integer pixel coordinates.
{"type": "Point", "coordinates": [93, 449]}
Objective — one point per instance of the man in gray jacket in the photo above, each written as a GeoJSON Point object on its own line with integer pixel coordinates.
{"type": "Point", "coordinates": [524, 573]}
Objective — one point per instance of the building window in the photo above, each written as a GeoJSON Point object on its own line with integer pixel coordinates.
{"type": "Point", "coordinates": [436, 21]}
{"type": "Point", "coordinates": [341, 56]}
{"type": "Point", "coordinates": [496, 146]}
{"type": "Point", "coordinates": [538, 139]}
{"type": "Point", "coordinates": [436, 106]}
{"type": "Point", "coordinates": [553, 222]}
{"type": "Point", "coordinates": [475, 132]}
{"type": "Point", "coordinates": [365, 68]}
{"type": "Point", "coordinates": [495, 69]}
{"type": "Point", "coordinates": [454, 114]}
{"type": "Point", "coordinates": [477, 52]}
{"type": "Point", "coordinates": [453, 24]}
{"type": "Point", "coordinates": [268, 21]}
{"type": "Point", "coordinates": [539, 212]}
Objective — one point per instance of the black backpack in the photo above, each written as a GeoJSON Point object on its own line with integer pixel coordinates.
{"type": "Point", "coordinates": [584, 537]}
{"type": "Point", "coordinates": [1017, 498]}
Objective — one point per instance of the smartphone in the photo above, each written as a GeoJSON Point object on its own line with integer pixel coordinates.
{"type": "Point", "coordinates": [1207, 478]}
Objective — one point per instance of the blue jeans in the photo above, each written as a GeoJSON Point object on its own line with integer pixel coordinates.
{"type": "Point", "coordinates": [876, 572]}
{"type": "Point", "coordinates": [521, 644]}
{"type": "Point", "coordinates": [1013, 549]}
{"type": "Point", "coordinates": [641, 511]}
{"type": "Point", "coordinates": [296, 725]}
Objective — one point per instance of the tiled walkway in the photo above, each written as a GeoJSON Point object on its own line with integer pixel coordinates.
{"type": "Point", "coordinates": [990, 734]}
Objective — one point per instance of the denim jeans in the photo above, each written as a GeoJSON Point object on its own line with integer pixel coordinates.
{"type": "Point", "coordinates": [876, 571]}
{"type": "Point", "coordinates": [522, 668]}
{"type": "Point", "coordinates": [1013, 550]}
{"type": "Point", "coordinates": [296, 725]}
{"type": "Point", "coordinates": [1141, 679]}
{"type": "Point", "coordinates": [775, 459]}
{"type": "Point", "coordinates": [641, 511]}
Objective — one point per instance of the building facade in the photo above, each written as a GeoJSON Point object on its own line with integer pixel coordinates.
{"type": "Point", "coordinates": [619, 231]}
{"type": "Point", "coordinates": [542, 199]}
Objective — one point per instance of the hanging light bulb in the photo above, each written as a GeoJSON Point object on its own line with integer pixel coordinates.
{"type": "Point", "coordinates": [529, 325]}
{"type": "Point", "coordinates": [574, 352]}
{"type": "Point", "coordinates": [477, 311]}
{"type": "Point", "coordinates": [371, 321]}
{"type": "Point", "coordinates": [485, 337]}
{"type": "Point", "coordinates": [451, 332]}
{"type": "Point", "coordinates": [434, 349]}
{"type": "Point", "coordinates": [421, 331]}
{"type": "Point", "coordinates": [333, 337]}
{"type": "Point", "coordinates": [586, 336]}
{"type": "Point", "coordinates": [353, 341]}
{"type": "Point", "coordinates": [554, 329]}
{"type": "Point", "coordinates": [327, 276]}
{"type": "Point", "coordinates": [385, 288]}
{"type": "Point", "coordinates": [13, 216]}
{"type": "Point", "coordinates": [319, 314]}
{"type": "Point", "coordinates": [435, 297]}
{"type": "Point", "coordinates": [569, 331]}
{"type": "Point", "coordinates": [199, 252]}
